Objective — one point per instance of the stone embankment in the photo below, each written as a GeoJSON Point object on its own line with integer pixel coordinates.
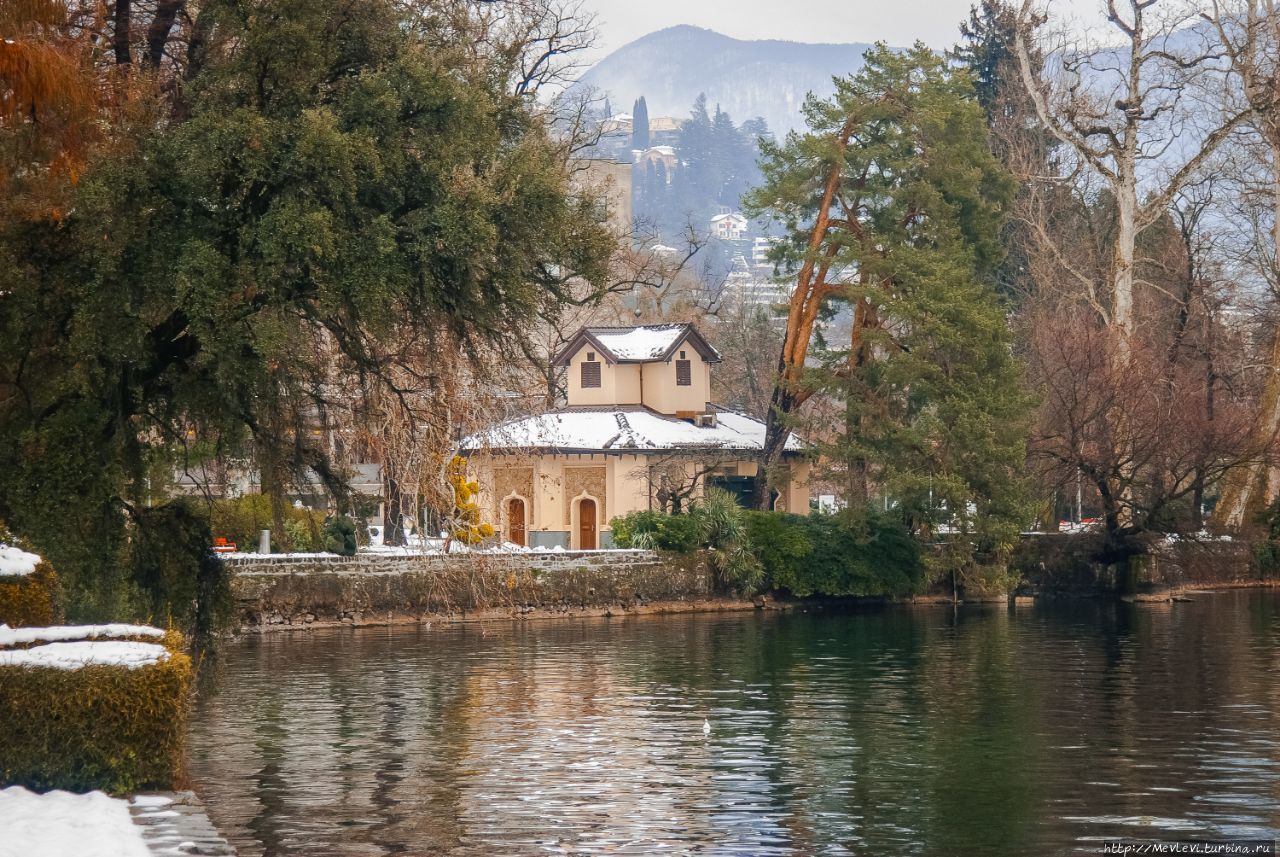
{"type": "Point", "coordinates": [283, 592]}
{"type": "Point", "coordinates": [1070, 564]}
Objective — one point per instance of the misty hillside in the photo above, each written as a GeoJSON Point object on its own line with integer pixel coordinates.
{"type": "Point", "coordinates": [746, 78]}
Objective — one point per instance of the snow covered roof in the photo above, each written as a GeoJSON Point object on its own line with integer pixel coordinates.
{"type": "Point", "coordinates": [634, 430]}
{"type": "Point", "coordinates": [640, 343]}
{"type": "Point", "coordinates": [727, 215]}
{"type": "Point", "coordinates": [637, 344]}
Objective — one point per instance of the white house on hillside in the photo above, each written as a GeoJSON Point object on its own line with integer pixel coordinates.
{"type": "Point", "coordinates": [730, 226]}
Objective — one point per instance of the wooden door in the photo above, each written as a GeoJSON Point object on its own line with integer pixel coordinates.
{"type": "Point", "coordinates": [515, 521]}
{"type": "Point", "coordinates": [586, 524]}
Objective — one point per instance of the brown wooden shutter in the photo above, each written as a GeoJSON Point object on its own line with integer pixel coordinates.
{"type": "Point", "coordinates": [684, 373]}
{"type": "Point", "coordinates": [590, 374]}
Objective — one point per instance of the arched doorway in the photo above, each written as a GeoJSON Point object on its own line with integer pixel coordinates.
{"type": "Point", "coordinates": [516, 521]}
{"type": "Point", "coordinates": [586, 524]}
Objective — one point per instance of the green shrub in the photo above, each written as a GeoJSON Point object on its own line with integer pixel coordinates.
{"type": "Point", "coordinates": [31, 600]}
{"type": "Point", "coordinates": [240, 520]}
{"type": "Point", "coordinates": [657, 531]}
{"type": "Point", "coordinates": [297, 536]}
{"type": "Point", "coordinates": [98, 727]}
{"type": "Point", "coordinates": [724, 532]}
{"type": "Point", "coordinates": [340, 536]}
{"type": "Point", "coordinates": [867, 554]}
{"type": "Point", "coordinates": [846, 555]}
{"type": "Point", "coordinates": [782, 543]}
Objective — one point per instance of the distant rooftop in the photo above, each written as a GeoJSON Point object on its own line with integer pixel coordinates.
{"type": "Point", "coordinates": [638, 343]}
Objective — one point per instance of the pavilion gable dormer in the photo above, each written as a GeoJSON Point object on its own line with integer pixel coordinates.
{"type": "Point", "coordinates": [665, 367]}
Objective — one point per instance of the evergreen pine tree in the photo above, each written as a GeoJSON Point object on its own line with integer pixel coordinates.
{"type": "Point", "coordinates": [934, 412]}
{"type": "Point", "coordinates": [640, 125]}
{"type": "Point", "coordinates": [698, 189]}
{"type": "Point", "coordinates": [726, 148]}
{"type": "Point", "coordinates": [986, 51]}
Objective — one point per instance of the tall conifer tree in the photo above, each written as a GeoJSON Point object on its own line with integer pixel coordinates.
{"type": "Point", "coordinates": [640, 125]}
{"type": "Point", "coordinates": [893, 204]}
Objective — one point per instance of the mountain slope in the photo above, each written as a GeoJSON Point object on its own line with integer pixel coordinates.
{"type": "Point", "coordinates": [746, 78]}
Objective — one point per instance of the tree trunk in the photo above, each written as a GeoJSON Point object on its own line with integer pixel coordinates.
{"type": "Point", "coordinates": [121, 32]}
{"type": "Point", "coordinates": [393, 520]}
{"type": "Point", "coordinates": [811, 290]}
{"type": "Point", "coordinates": [1243, 482]}
{"type": "Point", "coordinates": [856, 465]}
{"type": "Point", "coordinates": [864, 318]}
{"type": "Point", "coordinates": [158, 33]}
{"type": "Point", "coordinates": [775, 441]}
{"type": "Point", "coordinates": [1122, 266]}
{"type": "Point", "coordinates": [1122, 313]}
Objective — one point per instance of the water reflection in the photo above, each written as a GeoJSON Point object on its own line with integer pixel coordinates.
{"type": "Point", "coordinates": [930, 731]}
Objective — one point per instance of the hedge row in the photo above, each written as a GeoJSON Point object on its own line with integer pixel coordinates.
{"type": "Point", "coordinates": [866, 554]}
{"type": "Point", "coordinates": [113, 728]}
{"type": "Point", "coordinates": [838, 555]}
{"type": "Point", "coordinates": [31, 600]}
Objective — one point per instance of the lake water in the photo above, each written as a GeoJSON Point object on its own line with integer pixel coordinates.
{"type": "Point", "coordinates": [1040, 730]}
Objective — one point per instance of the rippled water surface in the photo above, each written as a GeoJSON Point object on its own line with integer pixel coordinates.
{"type": "Point", "coordinates": [905, 731]}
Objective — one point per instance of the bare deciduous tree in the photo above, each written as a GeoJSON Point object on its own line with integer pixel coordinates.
{"type": "Point", "coordinates": [1249, 34]}
{"type": "Point", "coordinates": [1144, 118]}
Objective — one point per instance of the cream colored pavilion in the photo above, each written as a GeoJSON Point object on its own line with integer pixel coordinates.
{"type": "Point", "coordinates": [637, 430]}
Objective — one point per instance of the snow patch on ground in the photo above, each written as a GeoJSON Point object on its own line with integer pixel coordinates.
{"type": "Point", "coordinates": [70, 656]}
{"type": "Point", "coordinates": [291, 555]}
{"type": "Point", "coordinates": [15, 562]}
{"type": "Point", "coordinates": [61, 824]}
{"type": "Point", "coordinates": [56, 633]}
{"type": "Point", "coordinates": [433, 547]}
{"type": "Point", "coordinates": [1200, 536]}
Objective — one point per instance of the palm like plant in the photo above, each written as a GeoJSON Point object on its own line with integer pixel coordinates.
{"type": "Point", "coordinates": [724, 530]}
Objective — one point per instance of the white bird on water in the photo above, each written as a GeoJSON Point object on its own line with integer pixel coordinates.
{"type": "Point", "coordinates": [706, 726]}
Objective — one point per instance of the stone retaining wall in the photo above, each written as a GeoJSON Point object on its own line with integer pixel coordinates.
{"type": "Point", "coordinates": [307, 591]}
{"type": "Point", "coordinates": [1065, 563]}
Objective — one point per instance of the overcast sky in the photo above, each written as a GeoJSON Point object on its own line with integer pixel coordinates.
{"type": "Point", "coordinates": [898, 22]}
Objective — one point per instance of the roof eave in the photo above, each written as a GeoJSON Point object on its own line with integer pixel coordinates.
{"type": "Point", "coordinates": [700, 344]}
{"type": "Point", "coordinates": [564, 356]}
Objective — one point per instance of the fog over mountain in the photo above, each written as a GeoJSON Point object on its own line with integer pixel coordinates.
{"type": "Point", "coordinates": [746, 78]}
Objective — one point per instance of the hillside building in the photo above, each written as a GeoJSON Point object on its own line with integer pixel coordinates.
{"type": "Point", "coordinates": [729, 226]}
